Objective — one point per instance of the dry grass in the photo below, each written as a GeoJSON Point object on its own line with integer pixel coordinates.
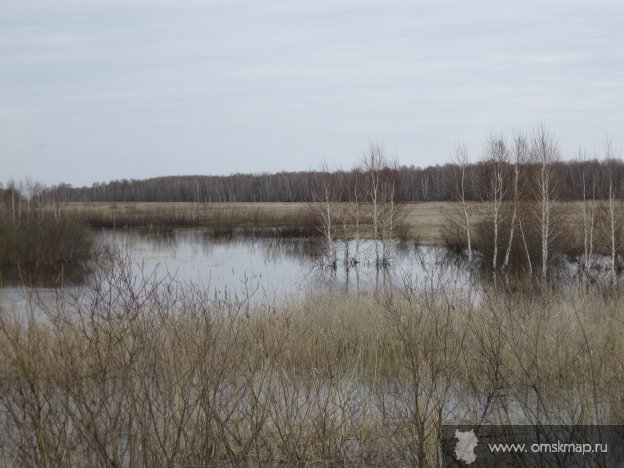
{"type": "Point", "coordinates": [145, 373]}
{"type": "Point", "coordinates": [423, 221]}
{"type": "Point", "coordinates": [273, 219]}
{"type": "Point", "coordinates": [426, 221]}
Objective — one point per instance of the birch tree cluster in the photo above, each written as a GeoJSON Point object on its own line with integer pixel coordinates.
{"type": "Point", "coordinates": [522, 223]}
{"type": "Point", "coordinates": [369, 211]}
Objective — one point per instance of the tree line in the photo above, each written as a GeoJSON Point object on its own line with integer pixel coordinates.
{"type": "Point", "coordinates": [413, 184]}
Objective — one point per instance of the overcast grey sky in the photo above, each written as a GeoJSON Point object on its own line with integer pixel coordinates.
{"type": "Point", "coordinates": [92, 90]}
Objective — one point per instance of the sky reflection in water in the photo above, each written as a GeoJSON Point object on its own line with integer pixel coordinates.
{"type": "Point", "coordinates": [266, 268]}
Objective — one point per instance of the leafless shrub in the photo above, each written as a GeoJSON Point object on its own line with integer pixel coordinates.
{"type": "Point", "coordinates": [147, 371]}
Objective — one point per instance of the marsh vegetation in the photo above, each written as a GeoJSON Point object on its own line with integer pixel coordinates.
{"type": "Point", "coordinates": [41, 246]}
{"type": "Point", "coordinates": [145, 371]}
{"type": "Point", "coordinates": [137, 364]}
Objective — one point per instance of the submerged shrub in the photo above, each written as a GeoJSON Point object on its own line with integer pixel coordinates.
{"type": "Point", "coordinates": [42, 246]}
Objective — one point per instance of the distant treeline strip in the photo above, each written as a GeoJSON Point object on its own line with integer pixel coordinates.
{"type": "Point", "coordinates": [435, 183]}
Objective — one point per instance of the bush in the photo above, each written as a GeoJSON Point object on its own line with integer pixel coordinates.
{"type": "Point", "coordinates": [42, 247]}
{"type": "Point", "coordinates": [151, 372]}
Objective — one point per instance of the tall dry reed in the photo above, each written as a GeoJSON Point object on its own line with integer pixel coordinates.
{"type": "Point", "coordinates": [149, 372]}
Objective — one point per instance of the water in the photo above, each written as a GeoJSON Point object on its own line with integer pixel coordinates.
{"type": "Point", "coordinates": [265, 268]}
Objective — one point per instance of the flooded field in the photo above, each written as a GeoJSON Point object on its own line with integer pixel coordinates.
{"type": "Point", "coordinates": [251, 350]}
{"type": "Point", "coordinates": [265, 268]}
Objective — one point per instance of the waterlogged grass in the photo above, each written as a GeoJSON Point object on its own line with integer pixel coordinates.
{"type": "Point", "coordinates": [422, 220]}
{"type": "Point", "coordinates": [39, 246]}
{"type": "Point", "coordinates": [151, 373]}
{"type": "Point", "coordinates": [426, 222]}
{"type": "Point", "coordinates": [222, 219]}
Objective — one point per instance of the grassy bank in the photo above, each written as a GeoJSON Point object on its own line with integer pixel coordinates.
{"type": "Point", "coordinates": [144, 373]}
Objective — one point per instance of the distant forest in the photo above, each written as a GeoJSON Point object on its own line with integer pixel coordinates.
{"type": "Point", "coordinates": [435, 183]}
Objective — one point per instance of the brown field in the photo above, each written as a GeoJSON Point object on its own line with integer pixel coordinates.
{"type": "Point", "coordinates": [423, 220]}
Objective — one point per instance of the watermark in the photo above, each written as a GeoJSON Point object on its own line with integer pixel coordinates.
{"type": "Point", "coordinates": [573, 446]}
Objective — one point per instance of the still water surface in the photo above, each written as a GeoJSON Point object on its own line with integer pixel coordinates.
{"type": "Point", "coordinates": [269, 268]}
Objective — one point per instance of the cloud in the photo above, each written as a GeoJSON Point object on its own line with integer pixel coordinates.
{"type": "Point", "coordinates": [290, 82]}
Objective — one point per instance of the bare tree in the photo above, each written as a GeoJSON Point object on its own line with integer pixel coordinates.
{"type": "Point", "coordinates": [324, 203]}
{"type": "Point", "coordinates": [545, 152]}
{"type": "Point", "coordinates": [520, 157]}
{"type": "Point", "coordinates": [389, 210]}
{"type": "Point", "coordinates": [588, 207]}
{"type": "Point", "coordinates": [356, 211]}
{"type": "Point", "coordinates": [463, 161]}
{"type": "Point", "coordinates": [612, 231]}
{"type": "Point", "coordinates": [372, 164]}
{"type": "Point", "coordinates": [613, 215]}
{"type": "Point", "coordinates": [380, 188]}
{"type": "Point", "coordinates": [497, 158]}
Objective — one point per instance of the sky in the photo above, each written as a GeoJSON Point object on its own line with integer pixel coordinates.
{"type": "Point", "coordinates": [95, 90]}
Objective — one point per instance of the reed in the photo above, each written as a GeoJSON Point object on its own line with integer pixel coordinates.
{"type": "Point", "coordinates": [223, 219]}
{"type": "Point", "coordinates": [40, 246]}
{"type": "Point", "coordinates": [153, 372]}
